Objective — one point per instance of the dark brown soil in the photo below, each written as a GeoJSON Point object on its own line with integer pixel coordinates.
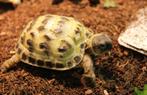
{"type": "Point", "coordinates": [117, 72]}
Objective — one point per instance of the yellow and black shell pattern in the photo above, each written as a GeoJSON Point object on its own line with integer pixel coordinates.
{"type": "Point", "coordinates": [53, 42]}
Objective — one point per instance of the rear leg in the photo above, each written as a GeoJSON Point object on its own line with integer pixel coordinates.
{"type": "Point", "coordinates": [88, 78]}
{"type": "Point", "coordinates": [10, 63]}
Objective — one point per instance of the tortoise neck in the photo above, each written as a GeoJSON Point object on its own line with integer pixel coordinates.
{"type": "Point", "coordinates": [89, 46]}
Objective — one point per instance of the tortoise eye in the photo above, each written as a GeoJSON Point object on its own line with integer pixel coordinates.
{"type": "Point", "coordinates": [99, 48]}
{"type": "Point", "coordinates": [102, 47]}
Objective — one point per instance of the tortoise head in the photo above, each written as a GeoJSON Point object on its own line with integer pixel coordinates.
{"type": "Point", "coordinates": [100, 43]}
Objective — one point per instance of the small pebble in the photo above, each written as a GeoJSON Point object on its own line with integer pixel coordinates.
{"type": "Point", "coordinates": [106, 92]}
{"type": "Point", "coordinates": [125, 53]}
{"type": "Point", "coordinates": [12, 52]}
{"type": "Point", "coordinates": [88, 92]}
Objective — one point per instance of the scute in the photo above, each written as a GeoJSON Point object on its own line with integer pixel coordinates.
{"type": "Point", "coordinates": [53, 42]}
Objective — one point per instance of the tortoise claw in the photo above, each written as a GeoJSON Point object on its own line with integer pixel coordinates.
{"type": "Point", "coordinates": [88, 81]}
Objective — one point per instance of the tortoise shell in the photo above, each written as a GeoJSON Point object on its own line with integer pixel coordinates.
{"type": "Point", "coordinates": [53, 42]}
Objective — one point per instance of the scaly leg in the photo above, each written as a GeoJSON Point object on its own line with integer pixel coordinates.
{"type": "Point", "coordinates": [88, 78]}
{"type": "Point", "coordinates": [10, 63]}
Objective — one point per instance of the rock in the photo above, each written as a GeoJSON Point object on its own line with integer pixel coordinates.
{"type": "Point", "coordinates": [88, 92]}
{"type": "Point", "coordinates": [135, 35]}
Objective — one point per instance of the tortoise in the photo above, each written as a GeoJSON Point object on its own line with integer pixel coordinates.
{"type": "Point", "coordinates": [59, 43]}
{"type": "Point", "coordinates": [14, 2]}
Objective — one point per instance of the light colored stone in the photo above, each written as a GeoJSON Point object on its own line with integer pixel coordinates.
{"type": "Point", "coordinates": [135, 35]}
{"type": "Point", "coordinates": [88, 92]}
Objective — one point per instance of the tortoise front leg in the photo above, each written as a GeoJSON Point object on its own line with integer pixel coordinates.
{"type": "Point", "coordinates": [10, 63]}
{"type": "Point", "coordinates": [88, 78]}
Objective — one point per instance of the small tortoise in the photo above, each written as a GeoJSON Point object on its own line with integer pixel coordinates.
{"type": "Point", "coordinates": [59, 43]}
{"type": "Point", "coordinates": [14, 2]}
